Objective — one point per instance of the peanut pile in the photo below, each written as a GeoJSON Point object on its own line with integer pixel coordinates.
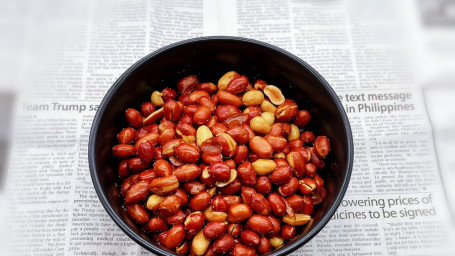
{"type": "Point", "coordinates": [220, 169]}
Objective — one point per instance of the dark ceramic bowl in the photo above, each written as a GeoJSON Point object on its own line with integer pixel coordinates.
{"type": "Point", "coordinates": [209, 58]}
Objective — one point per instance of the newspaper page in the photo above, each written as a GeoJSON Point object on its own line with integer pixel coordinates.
{"type": "Point", "coordinates": [73, 51]}
{"type": "Point", "coordinates": [438, 83]}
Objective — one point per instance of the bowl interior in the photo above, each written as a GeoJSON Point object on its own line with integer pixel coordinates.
{"type": "Point", "coordinates": [209, 59]}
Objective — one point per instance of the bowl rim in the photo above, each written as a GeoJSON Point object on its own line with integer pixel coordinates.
{"type": "Point", "coordinates": [289, 248]}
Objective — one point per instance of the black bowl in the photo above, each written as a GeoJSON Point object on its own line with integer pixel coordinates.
{"type": "Point", "coordinates": [209, 58]}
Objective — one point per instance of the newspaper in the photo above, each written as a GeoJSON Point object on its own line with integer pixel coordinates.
{"type": "Point", "coordinates": [71, 52]}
